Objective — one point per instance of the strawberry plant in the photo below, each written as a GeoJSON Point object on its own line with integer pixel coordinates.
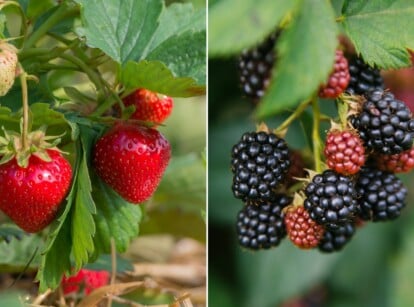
{"type": "Point", "coordinates": [309, 74]}
{"type": "Point", "coordinates": [78, 159]}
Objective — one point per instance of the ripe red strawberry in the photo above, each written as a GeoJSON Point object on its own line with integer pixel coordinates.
{"type": "Point", "coordinates": [398, 163]}
{"type": "Point", "coordinates": [339, 78]}
{"type": "Point", "coordinates": [149, 106]}
{"type": "Point", "coordinates": [301, 229]}
{"type": "Point", "coordinates": [8, 65]}
{"type": "Point", "coordinates": [132, 159]}
{"type": "Point", "coordinates": [85, 280]}
{"type": "Point", "coordinates": [31, 196]}
{"type": "Point", "coordinates": [344, 152]}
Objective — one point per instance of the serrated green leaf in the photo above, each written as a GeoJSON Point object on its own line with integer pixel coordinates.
{"type": "Point", "coordinates": [177, 19]}
{"type": "Point", "coordinates": [155, 76]}
{"type": "Point", "coordinates": [83, 226]}
{"type": "Point", "coordinates": [55, 259]}
{"type": "Point", "coordinates": [381, 30]}
{"type": "Point", "coordinates": [115, 219]}
{"type": "Point", "coordinates": [184, 54]}
{"type": "Point", "coordinates": [306, 52]}
{"type": "Point", "coordinates": [235, 25]}
{"type": "Point", "coordinates": [136, 30]}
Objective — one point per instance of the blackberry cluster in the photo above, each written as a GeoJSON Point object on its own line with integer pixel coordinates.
{"type": "Point", "coordinates": [259, 163]}
{"type": "Point", "coordinates": [255, 67]}
{"type": "Point", "coordinates": [331, 199]}
{"type": "Point", "coordinates": [261, 226]}
{"type": "Point", "coordinates": [385, 124]}
{"type": "Point", "coordinates": [335, 239]}
{"type": "Point", "coordinates": [338, 79]}
{"type": "Point", "coordinates": [381, 195]}
{"type": "Point", "coordinates": [363, 77]}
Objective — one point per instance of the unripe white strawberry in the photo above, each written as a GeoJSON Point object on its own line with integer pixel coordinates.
{"type": "Point", "coordinates": [8, 64]}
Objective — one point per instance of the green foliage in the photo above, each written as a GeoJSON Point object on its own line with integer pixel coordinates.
{"type": "Point", "coordinates": [152, 32]}
{"type": "Point", "coordinates": [10, 231]}
{"type": "Point", "coordinates": [155, 76]}
{"type": "Point", "coordinates": [306, 51]}
{"type": "Point", "coordinates": [381, 30]}
{"type": "Point", "coordinates": [248, 24]}
{"type": "Point", "coordinates": [83, 68]}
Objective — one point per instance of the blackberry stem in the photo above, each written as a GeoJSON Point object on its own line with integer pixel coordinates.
{"type": "Point", "coordinates": [299, 110]}
{"type": "Point", "coordinates": [315, 135]}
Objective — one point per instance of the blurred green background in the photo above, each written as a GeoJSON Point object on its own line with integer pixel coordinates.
{"type": "Point", "coordinates": [375, 269]}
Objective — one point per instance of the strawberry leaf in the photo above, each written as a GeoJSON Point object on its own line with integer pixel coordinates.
{"type": "Point", "coordinates": [115, 218]}
{"type": "Point", "coordinates": [249, 22]}
{"type": "Point", "coordinates": [138, 30]}
{"type": "Point", "coordinates": [155, 76]}
{"type": "Point", "coordinates": [306, 51]}
{"type": "Point", "coordinates": [371, 25]}
{"type": "Point", "coordinates": [83, 226]}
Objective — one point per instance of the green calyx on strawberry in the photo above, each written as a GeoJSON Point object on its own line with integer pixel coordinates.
{"type": "Point", "coordinates": [131, 159]}
{"type": "Point", "coordinates": [34, 179]}
{"type": "Point", "coordinates": [149, 106]}
{"type": "Point", "coordinates": [8, 66]}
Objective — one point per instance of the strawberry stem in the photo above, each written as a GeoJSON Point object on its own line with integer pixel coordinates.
{"type": "Point", "coordinates": [315, 135]}
{"type": "Point", "coordinates": [25, 101]}
{"type": "Point", "coordinates": [65, 10]}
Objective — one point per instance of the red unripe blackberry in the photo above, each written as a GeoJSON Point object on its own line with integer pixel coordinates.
{"type": "Point", "coordinates": [381, 195]}
{"type": "Point", "coordinates": [260, 226]}
{"type": "Point", "coordinates": [331, 199]}
{"type": "Point", "coordinates": [398, 163]}
{"type": "Point", "coordinates": [255, 67]}
{"type": "Point", "coordinates": [385, 124]}
{"type": "Point", "coordinates": [301, 229]}
{"type": "Point", "coordinates": [344, 152]}
{"type": "Point", "coordinates": [363, 77]}
{"type": "Point", "coordinates": [259, 163]}
{"type": "Point", "coordinates": [338, 79]}
{"type": "Point", "coordinates": [335, 239]}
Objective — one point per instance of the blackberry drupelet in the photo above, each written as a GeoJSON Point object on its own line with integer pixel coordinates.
{"type": "Point", "coordinates": [304, 232]}
{"type": "Point", "coordinates": [331, 199]}
{"type": "Point", "coordinates": [255, 67]}
{"type": "Point", "coordinates": [385, 124]}
{"type": "Point", "coordinates": [261, 226]}
{"type": "Point", "coordinates": [398, 163]}
{"type": "Point", "coordinates": [338, 79]}
{"type": "Point", "coordinates": [381, 195]}
{"type": "Point", "coordinates": [259, 162]}
{"type": "Point", "coordinates": [363, 77]}
{"type": "Point", "coordinates": [334, 240]}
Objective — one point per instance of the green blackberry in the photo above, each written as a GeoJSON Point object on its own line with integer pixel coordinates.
{"type": "Point", "coordinates": [261, 226]}
{"type": "Point", "coordinates": [381, 195]}
{"type": "Point", "coordinates": [259, 162]}
{"type": "Point", "coordinates": [385, 124]}
{"type": "Point", "coordinates": [363, 77]}
{"type": "Point", "coordinates": [255, 67]}
{"type": "Point", "coordinates": [331, 199]}
{"type": "Point", "coordinates": [335, 239]}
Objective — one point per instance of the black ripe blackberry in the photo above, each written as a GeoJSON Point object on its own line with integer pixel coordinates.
{"type": "Point", "coordinates": [260, 225]}
{"type": "Point", "coordinates": [259, 163]}
{"type": "Point", "coordinates": [255, 67]}
{"type": "Point", "coordinates": [381, 195]}
{"type": "Point", "coordinates": [331, 199]}
{"type": "Point", "coordinates": [335, 239]}
{"type": "Point", "coordinates": [385, 124]}
{"type": "Point", "coordinates": [363, 77]}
